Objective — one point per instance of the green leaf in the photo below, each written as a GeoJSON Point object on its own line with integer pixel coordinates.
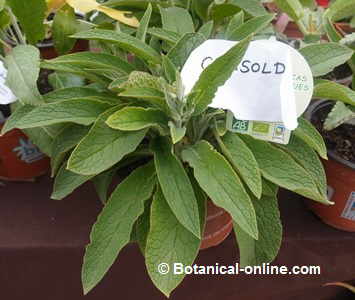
{"type": "Point", "coordinates": [216, 74]}
{"type": "Point", "coordinates": [236, 21]}
{"type": "Point", "coordinates": [165, 35]}
{"type": "Point", "coordinates": [15, 117]}
{"type": "Point", "coordinates": [243, 161]}
{"type": "Point", "coordinates": [206, 29]}
{"type": "Point", "coordinates": [95, 61]}
{"type": "Point", "coordinates": [332, 34]}
{"type": "Point", "coordinates": [60, 80]}
{"type": "Point", "coordinates": [103, 147]}
{"type": "Point", "coordinates": [177, 19]}
{"type": "Point", "coordinates": [218, 12]}
{"type": "Point", "coordinates": [168, 242]}
{"type": "Point", "coordinates": [81, 111]}
{"type": "Point", "coordinates": [323, 58]}
{"type": "Point", "coordinates": [293, 8]}
{"type": "Point", "coordinates": [136, 118]}
{"type": "Point", "coordinates": [183, 48]}
{"type": "Point", "coordinates": [64, 141]}
{"type": "Point", "coordinates": [169, 69]}
{"type": "Point", "coordinates": [253, 25]}
{"type": "Point", "coordinates": [176, 186]}
{"type": "Point", "coordinates": [201, 8]}
{"type": "Point", "coordinates": [144, 23]}
{"type": "Point", "coordinates": [102, 183]}
{"type": "Point", "coordinates": [143, 227]}
{"type": "Point", "coordinates": [309, 3]}
{"type": "Point", "coordinates": [306, 132]}
{"type": "Point", "coordinates": [124, 41]}
{"type": "Point", "coordinates": [220, 182]}
{"type": "Point", "coordinates": [308, 159]}
{"type": "Point", "coordinates": [281, 169]}
{"type": "Point", "coordinates": [31, 15]}
{"type": "Point", "coordinates": [342, 9]}
{"type": "Point", "coordinates": [64, 25]}
{"type": "Point", "coordinates": [23, 71]}
{"type": "Point", "coordinates": [264, 250]}
{"type": "Point", "coordinates": [114, 225]}
{"type": "Point", "coordinates": [334, 91]}
{"type": "Point", "coordinates": [66, 182]}
{"type": "Point", "coordinates": [40, 138]}
{"type": "Point", "coordinates": [252, 7]}
{"type": "Point", "coordinates": [177, 133]}
{"type": "Point", "coordinates": [339, 114]}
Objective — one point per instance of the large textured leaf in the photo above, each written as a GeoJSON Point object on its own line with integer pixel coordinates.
{"type": "Point", "coordinates": [144, 23]}
{"type": "Point", "coordinates": [252, 7]}
{"type": "Point", "coordinates": [339, 114]}
{"type": "Point", "coordinates": [183, 48]}
{"type": "Point", "coordinates": [292, 7]}
{"type": "Point", "coordinates": [66, 182]}
{"type": "Point", "coordinates": [311, 136]}
{"type": "Point", "coordinates": [136, 118]}
{"type": "Point", "coordinates": [40, 137]}
{"type": "Point", "coordinates": [342, 9]}
{"type": "Point", "coordinates": [23, 71]}
{"type": "Point", "coordinates": [165, 35]}
{"type": "Point", "coordinates": [243, 161]}
{"type": "Point", "coordinates": [264, 250]}
{"type": "Point", "coordinates": [334, 91]}
{"type": "Point", "coordinates": [216, 74]}
{"type": "Point", "coordinates": [31, 16]}
{"type": "Point", "coordinates": [103, 147]}
{"type": "Point", "coordinates": [281, 169]}
{"type": "Point", "coordinates": [168, 242]}
{"type": "Point", "coordinates": [64, 25]}
{"type": "Point", "coordinates": [254, 25]}
{"type": "Point", "coordinates": [61, 80]}
{"type": "Point", "coordinates": [124, 41]}
{"type": "Point", "coordinates": [81, 111]}
{"type": "Point", "coordinates": [176, 186]}
{"type": "Point", "coordinates": [323, 58]}
{"type": "Point", "coordinates": [114, 225]}
{"type": "Point", "coordinates": [102, 183]}
{"type": "Point", "coordinates": [236, 21]}
{"type": "Point", "coordinates": [206, 29]}
{"type": "Point", "coordinates": [218, 179]}
{"type": "Point", "coordinates": [15, 117]}
{"type": "Point", "coordinates": [309, 160]}
{"type": "Point", "coordinates": [177, 19]}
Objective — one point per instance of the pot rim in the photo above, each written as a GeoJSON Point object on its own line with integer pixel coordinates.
{"type": "Point", "coordinates": [312, 109]}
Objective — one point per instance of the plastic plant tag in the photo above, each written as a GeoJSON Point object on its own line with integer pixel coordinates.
{"type": "Point", "coordinates": [273, 83]}
{"type": "Point", "coordinates": [268, 131]}
{"type": "Point", "coordinates": [6, 95]}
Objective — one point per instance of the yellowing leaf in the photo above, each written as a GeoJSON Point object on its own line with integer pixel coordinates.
{"type": "Point", "coordinates": [53, 5]}
{"type": "Point", "coordinates": [85, 6]}
{"type": "Point", "coordinates": [119, 16]}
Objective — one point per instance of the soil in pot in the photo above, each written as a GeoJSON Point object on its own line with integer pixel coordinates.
{"type": "Point", "coordinates": [340, 170]}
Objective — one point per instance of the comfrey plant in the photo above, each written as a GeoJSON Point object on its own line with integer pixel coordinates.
{"type": "Point", "coordinates": [135, 108]}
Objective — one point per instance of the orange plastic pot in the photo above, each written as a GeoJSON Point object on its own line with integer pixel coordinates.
{"type": "Point", "coordinates": [20, 160]}
{"type": "Point", "coordinates": [218, 226]}
{"type": "Point", "coordinates": [341, 190]}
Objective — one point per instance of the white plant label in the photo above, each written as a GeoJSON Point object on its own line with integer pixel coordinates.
{"type": "Point", "coordinates": [273, 82]}
{"type": "Point", "coordinates": [349, 210]}
{"type": "Point", "coordinates": [6, 95]}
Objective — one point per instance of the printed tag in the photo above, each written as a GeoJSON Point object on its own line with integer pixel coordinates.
{"type": "Point", "coordinates": [349, 210]}
{"type": "Point", "coordinates": [273, 82]}
{"type": "Point", "coordinates": [267, 131]}
{"type": "Point", "coordinates": [6, 95]}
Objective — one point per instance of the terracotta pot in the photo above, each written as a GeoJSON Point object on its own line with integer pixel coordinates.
{"type": "Point", "coordinates": [20, 160]}
{"type": "Point", "coordinates": [341, 190]}
{"type": "Point", "coordinates": [218, 226]}
{"type": "Point", "coordinates": [48, 51]}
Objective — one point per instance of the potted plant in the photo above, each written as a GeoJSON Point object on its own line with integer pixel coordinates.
{"type": "Point", "coordinates": [136, 109]}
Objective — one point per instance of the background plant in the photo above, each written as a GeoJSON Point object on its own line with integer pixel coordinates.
{"type": "Point", "coordinates": [134, 107]}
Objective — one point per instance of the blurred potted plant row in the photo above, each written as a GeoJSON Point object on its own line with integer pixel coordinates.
{"type": "Point", "coordinates": [122, 105]}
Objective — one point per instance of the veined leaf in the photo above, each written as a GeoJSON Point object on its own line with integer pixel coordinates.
{"type": "Point", "coordinates": [103, 147]}
{"type": "Point", "coordinates": [281, 169]}
{"type": "Point", "coordinates": [254, 25]}
{"type": "Point", "coordinates": [124, 41]}
{"type": "Point", "coordinates": [176, 186]}
{"type": "Point", "coordinates": [341, 9]}
{"type": "Point", "coordinates": [144, 23]}
{"type": "Point", "coordinates": [236, 21]}
{"type": "Point", "coordinates": [168, 242]}
{"type": "Point", "coordinates": [61, 80]}
{"type": "Point", "coordinates": [23, 71]}
{"type": "Point", "coordinates": [66, 182]}
{"type": "Point", "coordinates": [218, 179]}
{"type": "Point", "coordinates": [264, 250]}
{"type": "Point", "coordinates": [323, 58]}
{"type": "Point", "coordinates": [143, 226]}
{"type": "Point", "coordinates": [293, 8]}
{"type": "Point", "coordinates": [169, 69]}
{"type": "Point", "coordinates": [137, 118]}
{"type": "Point", "coordinates": [243, 161]}
{"type": "Point", "coordinates": [252, 7]}
{"type": "Point", "coordinates": [339, 114]}
{"type": "Point", "coordinates": [40, 138]}
{"type": "Point", "coordinates": [31, 15]}
{"type": "Point", "coordinates": [183, 48]}
{"type": "Point", "coordinates": [15, 117]}
{"type": "Point", "coordinates": [334, 91]}
{"type": "Point", "coordinates": [332, 33]}
{"type": "Point", "coordinates": [206, 29]}
{"type": "Point", "coordinates": [102, 183]}
{"type": "Point", "coordinates": [177, 19]}
{"type": "Point", "coordinates": [306, 132]}
{"type": "Point", "coordinates": [216, 74]}
{"type": "Point", "coordinates": [114, 225]}
{"type": "Point", "coordinates": [177, 133]}
{"type": "Point", "coordinates": [165, 35]}
{"type": "Point", "coordinates": [78, 111]}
